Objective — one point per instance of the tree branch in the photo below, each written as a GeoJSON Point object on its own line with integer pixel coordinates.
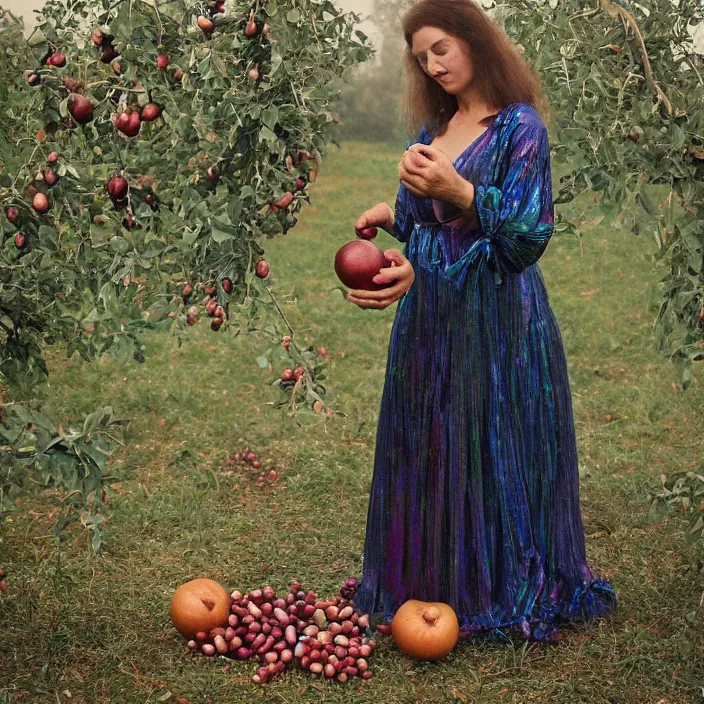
{"type": "Point", "coordinates": [614, 10]}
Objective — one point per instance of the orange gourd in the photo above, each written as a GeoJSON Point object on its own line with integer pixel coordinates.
{"type": "Point", "coordinates": [199, 605]}
{"type": "Point", "coordinates": [425, 630]}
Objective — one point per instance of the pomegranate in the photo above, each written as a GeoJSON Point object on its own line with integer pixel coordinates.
{"type": "Point", "coordinates": [150, 112]}
{"type": "Point", "coordinates": [358, 262]}
{"type": "Point", "coordinates": [117, 187]}
{"type": "Point", "coordinates": [41, 203]}
{"type": "Point", "coordinates": [57, 59]}
{"type": "Point", "coordinates": [81, 108]}
{"type": "Point", "coordinates": [12, 213]}
{"type": "Point", "coordinates": [263, 269]}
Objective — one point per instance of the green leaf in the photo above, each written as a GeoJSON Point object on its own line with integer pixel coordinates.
{"type": "Point", "coordinates": [293, 16]}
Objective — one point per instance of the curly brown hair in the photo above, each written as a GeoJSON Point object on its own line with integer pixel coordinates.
{"type": "Point", "coordinates": [501, 74]}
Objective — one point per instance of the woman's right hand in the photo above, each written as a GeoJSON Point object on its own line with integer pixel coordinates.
{"type": "Point", "coordinates": [381, 215]}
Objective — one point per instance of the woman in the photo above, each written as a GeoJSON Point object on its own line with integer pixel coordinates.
{"type": "Point", "coordinates": [475, 497]}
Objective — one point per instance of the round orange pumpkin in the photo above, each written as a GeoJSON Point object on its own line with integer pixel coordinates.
{"type": "Point", "coordinates": [199, 605]}
{"type": "Point", "coordinates": [425, 630]}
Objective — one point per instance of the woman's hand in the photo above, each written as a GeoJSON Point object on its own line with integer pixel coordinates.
{"type": "Point", "coordinates": [400, 271]}
{"type": "Point", "coordinates": [428, 172]}
{"type": "Point", "coordinates": [381, 215]}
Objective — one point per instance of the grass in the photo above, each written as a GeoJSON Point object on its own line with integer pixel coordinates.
{"type": "Point", "coordinates": [90, 629]}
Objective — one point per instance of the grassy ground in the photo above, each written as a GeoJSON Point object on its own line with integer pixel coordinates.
{"type": "Point", "coordinates": [84, 629]}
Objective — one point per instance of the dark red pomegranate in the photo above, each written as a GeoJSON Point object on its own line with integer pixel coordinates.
{"type": "Point", "coordinates": [150, 112]}
{"type": "Point", "coordinates": [358, 262]}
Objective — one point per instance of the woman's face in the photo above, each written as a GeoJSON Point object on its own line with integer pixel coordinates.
{"type": "Point", "coordinates": [444, 58]}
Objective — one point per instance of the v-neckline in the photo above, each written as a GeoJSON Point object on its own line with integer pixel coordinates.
{"type": "Point", "coordinates": [474, 141]}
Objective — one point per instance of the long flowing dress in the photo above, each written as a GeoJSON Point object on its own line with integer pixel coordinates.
{"type": "Point", "coordinates": [475, 491]}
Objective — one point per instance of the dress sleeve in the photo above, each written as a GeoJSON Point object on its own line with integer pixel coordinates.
{"type": "Point", "coordinates": [403, 217]}
{"type": "Point", "coordinates": [516, 214]}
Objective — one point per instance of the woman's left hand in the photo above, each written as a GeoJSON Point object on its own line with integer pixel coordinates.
{"type": "Point", "coordinates": [428, 172]}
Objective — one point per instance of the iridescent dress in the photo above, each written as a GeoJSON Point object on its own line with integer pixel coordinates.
{"type": "Point", "coordinates": [475, 492]}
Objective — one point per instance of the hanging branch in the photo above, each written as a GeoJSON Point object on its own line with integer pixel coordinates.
{"type": "Point", "coordinates": [614, 10]}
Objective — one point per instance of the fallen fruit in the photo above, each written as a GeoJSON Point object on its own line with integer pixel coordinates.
{"type": "Point", "coordinates": [199, 605]}
{"type": "Point", "coordinates": [425, 630]}
{"type": "Point", "coordinates": [358, 262]}
{"type": "Point", "coordinates": [81, 108]}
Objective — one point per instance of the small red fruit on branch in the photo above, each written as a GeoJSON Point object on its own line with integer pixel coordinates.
{"type": "Point", "coordinates": [41, 203]}
{"type": "Point", "coordinates": [33, 78]}
{"type": "Point", "coordinates": [128, 123]}
{"type": "Point", "coordinates": [50, 177]}
{"type": "Point", "coordinates": [254, 73]}
{"type": "Point", "coordinates": [213, 174]}
{"type": "Point", "coordinates": [251, 28]}
{"type": "Point", "coordinates": [53, 157]}
{"type": "Point", "coordinates": [12, 213]}
{"type": "Point", "coordinates": [56, 59]}
{"type": "Point", "coordinates": [262, 269]}
{"type": "Point", "coordinates": [117, 187]}
{"type": "Point", "coordinates": [227, 286]}
{"type": "Point", "coordinates": [283, 202]}
{"type": "Point", "coordinates": [192, 315]}
{"type": "Point", "coordinates": [72, 85]}
{"type": "Point", "coordinates": [162, 61]}
{"type": "Point", "coordinates": [211, 306]}
{"type": "Point", "coordinates": [178, 75]}
{"type": "Point", "coordinates": [205, 24]}
{"type": "Point", "coordinates": [19, 240]}
{"type": "Point", "coordinates": [81, 108]}
{"type": "Point", "coordinates": [150, 112]}
{"type": "Point", "coordinates": [186, 292]}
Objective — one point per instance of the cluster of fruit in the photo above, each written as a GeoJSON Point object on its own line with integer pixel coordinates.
{"type": "Point", "coordinates": [212, 307]}
{"type": "Point", "coordinates": [326, 637]}
{"type": "Point", "coordinates": [248, 458]}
